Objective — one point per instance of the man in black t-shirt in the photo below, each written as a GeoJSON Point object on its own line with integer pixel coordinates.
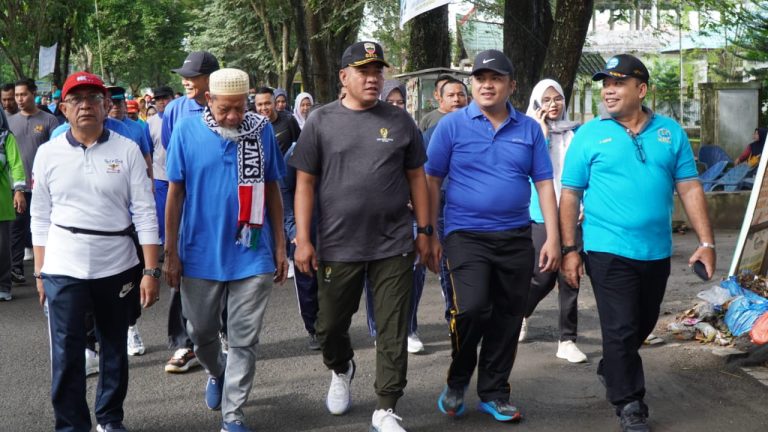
{"type": "Point", "coordinates": [285, 126]}
{"type": "Point", "coordinates": [365, 159]}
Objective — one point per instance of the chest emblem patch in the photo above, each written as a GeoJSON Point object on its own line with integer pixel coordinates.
{"type": "Point", "coordinates": [383, 134]}
{"type": "Point", "coordinates": [39, 128]}
{"type": "Point", "coordinates": [113, 165]}
{"type": "Point", "coordinates": [664, 135]}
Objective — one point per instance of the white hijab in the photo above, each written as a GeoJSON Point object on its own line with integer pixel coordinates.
{"type": "Point", "coordinates": [296, 107]}
{"type": "Point", "coordinates": [560, 130]}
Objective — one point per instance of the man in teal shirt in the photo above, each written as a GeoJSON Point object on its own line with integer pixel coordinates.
{"type": "Point", "coordinates": [626, 166]}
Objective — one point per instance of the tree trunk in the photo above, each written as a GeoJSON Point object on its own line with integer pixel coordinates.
{"type": "Point", "coordinates": [527, 28]}
{"type": "Point", "coordinates": [57, 64]}
{"type": "Point", "coordinates": [570, 31]}
{"type": "Point", "coordinates": [319, 70]}
{"type": "Point", "coordinates": [430, 42]}
{"type": "Point", "coordinates": [302, 44]}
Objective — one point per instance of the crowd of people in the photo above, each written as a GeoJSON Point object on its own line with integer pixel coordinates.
{"type": "Point", "coordinates": [348, 197]}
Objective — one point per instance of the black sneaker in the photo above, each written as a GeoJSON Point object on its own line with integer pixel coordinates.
{"type": "Point", "coordinates": [451, 402]}
{"type": "Point", "coordinates": [634, 417]}
{"type": "Point", "coordinates": [313, 344]}
{"type": "Point", "coordinates": [17, 277]}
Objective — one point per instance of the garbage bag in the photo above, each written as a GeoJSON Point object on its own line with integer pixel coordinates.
{"type": "Point", "coordinates": [759, 332]}
{"type": "Point", "coordinates": [743, 312]}
{"type": "Point", "coordinates": [732, 285]}
{"type": "Point", "coordinates": [716, 295]}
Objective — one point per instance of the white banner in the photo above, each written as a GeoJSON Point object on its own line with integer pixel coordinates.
{"type": "Point", "coordinates": [47, 60]}
{"type": "Point", "coordinates": [412, 8]}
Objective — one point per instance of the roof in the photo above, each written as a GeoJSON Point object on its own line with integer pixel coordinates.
{"type": "Point", "coordinates": [696, 41]}
{"type": "Point", "coordinates": [590, 64]}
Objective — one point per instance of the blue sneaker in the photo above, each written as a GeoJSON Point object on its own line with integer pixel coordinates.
{"type": "Point", "coordinates": [234, 426]}
{"type": "Point", "coordinates": [451, 402]}
{"type": "Point", "coordinates": [213, 391]}
{"type": "Point", "coordinates": [111, 427]}
{"type": "Point", "coordinates": [501, 410]}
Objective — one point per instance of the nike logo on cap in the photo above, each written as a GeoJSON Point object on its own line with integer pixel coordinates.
{"type": "Point", "coordinates": [488, 60]}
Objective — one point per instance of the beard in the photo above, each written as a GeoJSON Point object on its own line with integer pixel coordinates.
{"type": "Point", "coordinates": [228, 133]}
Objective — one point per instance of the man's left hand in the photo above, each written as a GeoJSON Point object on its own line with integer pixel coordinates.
{"type": "Point", "coordinates": [707, 256]}
{"type": "Point", "coordinates": [422, 249]}
{"type": "Point", "coordinates": [150, 291]}
{"type": "Point", "coordinates": [19, 202]}
{"type": "Point", "coordinates": [549, 258]}
{"type": "Point", "coordinates": [281, 266]}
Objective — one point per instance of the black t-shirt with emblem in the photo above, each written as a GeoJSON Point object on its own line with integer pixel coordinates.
{"type": "Point", "coordinates": [360, 159]}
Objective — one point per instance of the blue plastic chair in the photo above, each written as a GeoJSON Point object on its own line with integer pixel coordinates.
{"type": "Point", "coordinates": [711, 154]}
{"type": "Point", "coordinates": [732, 180]}
{"type": "Point", "coordinates": [708, 177]}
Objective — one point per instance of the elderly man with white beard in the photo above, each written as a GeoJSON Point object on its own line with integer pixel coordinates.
{"type": "Point", "coordinates": [223, 170]}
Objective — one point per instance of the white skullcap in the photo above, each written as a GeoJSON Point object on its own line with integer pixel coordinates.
{"type": "Point", "coordinates": [228, 81]}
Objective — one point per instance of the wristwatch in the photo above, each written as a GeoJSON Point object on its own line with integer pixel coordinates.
{"type": "Point", "coordinates": [568, 249]}
{"type": "Point", "coordinates": [426, 230]}
{"type": "Point", "coordinates": [154, 272]}
{"type": "Point", "coordinates": [707, 245]}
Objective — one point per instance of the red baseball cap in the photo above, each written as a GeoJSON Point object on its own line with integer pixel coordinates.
{"type": "Point", "coordinates": [79, 79]}
{"type": "Point", "coordinates": [132, 106]}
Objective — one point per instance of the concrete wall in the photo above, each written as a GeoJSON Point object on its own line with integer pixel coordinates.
{"type": "Point", "coordinates": [726, 209]}
{"type": "Point", "coordinates": [729, 115]}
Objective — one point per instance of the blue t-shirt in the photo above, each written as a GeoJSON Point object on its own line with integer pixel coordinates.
{"type": "Point", "coordinates": [115, 126]}
{"type": "Point", "coordinates": [206, 164]}
{"type": "Point", "coordinates": [139, 134]}
{"type": "Point", "coordinates": [489, 169]}
{"type": "Point", "coordinates": [176, 110]}
{"type": "Point", "coordinates": [628, 203]}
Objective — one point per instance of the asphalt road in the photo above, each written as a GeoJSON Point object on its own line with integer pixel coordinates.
{"type": "Point", "coordinates": [689, 389]}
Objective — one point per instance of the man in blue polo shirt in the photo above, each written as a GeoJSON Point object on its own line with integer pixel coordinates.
{"type": "Point", "coordinates": [626, 166]}
{"type": "Point", "coordinates": [489, 151]}
{"type": "Point", "coordinates": [194, 72]}
{"type": "Point", "coordinates": [223, 170]}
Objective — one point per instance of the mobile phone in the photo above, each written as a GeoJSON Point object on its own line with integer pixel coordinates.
{"type": "Point", "coordinates": [536, 104]}
{"type": "Point", "coordinates": [700, 270]}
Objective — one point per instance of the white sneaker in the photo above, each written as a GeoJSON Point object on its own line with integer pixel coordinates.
{"type": "Point", "coordinates": [523, 330]}
{"type": "Point", "coordinates": [91, 362]}
{"type": "Point", "coordinates": [135, 344]}
{"type": "Point", "coordinates": [414, 344]}
{"type": "Point", "coordinates": [291, 270]}
{"type": "Point", "coordinates": [385, 421]}
{"type": "Point", "coordinates": [567, 350]}
{"type": "Point", "coordinates": [5, 296]}
{"type": "Point", "coordinates": [339, 398]}
{"type": "Point", "coordinates": [28, 255]}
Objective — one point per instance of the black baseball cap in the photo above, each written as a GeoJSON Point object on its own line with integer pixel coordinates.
{"type": "Point", "coordinates": [360, 53]}
{"type": "Point", "coordinates": [493, 60]}
{"type": "Point", "coordinates": [198, 63]}
{"type": "Point", "coordinates": [623, 66]}
{"type": "Point", "coordinates": [116, 92]}
{"type": "Point", "coordinates": [162, 92]}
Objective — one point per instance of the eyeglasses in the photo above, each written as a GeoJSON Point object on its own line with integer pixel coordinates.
{"type": "Point", "coordinates": [639, 152]}
{"type": "Point", "coordinates": [557, 99]}
{"type": "Point", "coordinates": [77, 100]}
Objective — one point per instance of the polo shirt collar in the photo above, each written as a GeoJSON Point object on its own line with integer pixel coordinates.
{"type": "Point", "coordinates": [75, 143]}
{"type": "Point", "coordinates": [606, 116]}
{"type": "Point", "coordinates": [474, 111]}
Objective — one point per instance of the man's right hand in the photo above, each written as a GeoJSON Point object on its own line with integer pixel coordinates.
{"type": "Point", "coordinates": [172, 269]}
{"type": "Point", "coordinates": [572, 269]}
{"type": "Point", "coordinates": [305, 257]}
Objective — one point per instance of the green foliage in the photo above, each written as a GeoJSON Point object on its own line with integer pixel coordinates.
{"type": "Point", "coordinates": [384, 18]}
{"type": "Point", "coordinates": [141, 40]}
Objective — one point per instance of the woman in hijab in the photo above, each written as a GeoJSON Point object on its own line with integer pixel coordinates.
{"type": "Point", "coordinates": [12, 178]}
{"type": "Point", "coordinates": [393, 93]}
{"type": "Point", "coordinates": [755, 148]}
{"type": "Point", "coordinates": [548, 107]}
{"type": "Point", "coordinates": [301, 108]}
{"type": "Point", "coordinates": [281, 99]}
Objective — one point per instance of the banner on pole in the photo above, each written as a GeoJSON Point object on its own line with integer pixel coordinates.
{"type": "Point", "coordinates": [47, 60]}
{"type": "Point", "coordinates": [411, 8]}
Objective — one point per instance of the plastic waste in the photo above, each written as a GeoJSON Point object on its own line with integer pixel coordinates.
{"type": "Point", "coordinates": [708, 332]}
{"type": "Point", "coordinates": [759, 332]}
{"type": "Point", "coordinates": [743, 312]}
{"type": "Point", "coordinates": [716, 295]}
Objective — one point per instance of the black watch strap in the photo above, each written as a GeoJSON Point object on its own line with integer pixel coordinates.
{"type": "Point", "coordinates": [568, 249]}
{"type": "Point", "coordinates": [426, 230]}
{"type": "Point", "coordinates": [154, 272]}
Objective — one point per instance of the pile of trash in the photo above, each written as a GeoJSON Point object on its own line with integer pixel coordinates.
{"type": "Point", "coordinates": [733, 308]}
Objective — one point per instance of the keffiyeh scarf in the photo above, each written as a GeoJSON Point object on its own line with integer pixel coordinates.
{"type": "Point", "coordinates": [250, 175]}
